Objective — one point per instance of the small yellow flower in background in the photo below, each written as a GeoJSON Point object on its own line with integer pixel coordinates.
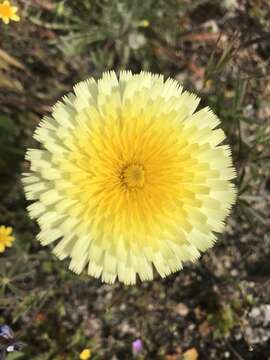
{"type": "Point", "coordinates": [6, 239]}
{"type": "Point", "coordinates": [85, 354]}
{"type": "Point", "coordinates": [144, 23]}
{"type": "Point", "coordinates": [8, 12]}
{"type": "Point", "coordinates": [130, 177]}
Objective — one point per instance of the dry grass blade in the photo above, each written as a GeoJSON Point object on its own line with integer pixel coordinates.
{"type": "Point", "coordinates": [9, 60]}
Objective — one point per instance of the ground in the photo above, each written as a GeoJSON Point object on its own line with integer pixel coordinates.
{"type": "Point", "coordinates": [219, 306]}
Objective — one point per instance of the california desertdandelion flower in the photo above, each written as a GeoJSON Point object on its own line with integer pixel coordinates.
{"type": "Point", "coordinates": [130, 177]}
{"type": "Point", "coordinates": [85, 354]}
{"type": "Point", "coordinates": [6, 239]}
{"type": "Point", "coordinates": [8, 12]}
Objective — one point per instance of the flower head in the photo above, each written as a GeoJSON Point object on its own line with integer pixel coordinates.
{"type": "Point", "coordinates": [6, 239]}
{"type": "Point", "coordinates": [130, 177]}
{"type": "Point", "coordinates": [85, 354]}
{"type": "Point", "coordinates": [6, 332]}
{"type": "Point", "coordinates": [8, 12]}
{"type": "Point", "coordinates": [137, 347]}
{"type": "Point", "coordinates": [144, 23]}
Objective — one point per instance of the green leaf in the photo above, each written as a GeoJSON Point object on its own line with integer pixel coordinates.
{"type": "Point", "coordinates": [15, 355]}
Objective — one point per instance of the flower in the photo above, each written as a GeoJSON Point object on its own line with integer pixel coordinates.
{"type": "Point", "coordinates": [6, 332]}
{"type": "Point", "coordinates": [6, 239]}
{"type": "Point", "coordinates": [144, 23]}
{"type": "Point", "coordinates": [137, 347]}
{"type": "Point", "coordinates": [129, 177]}
{"type": "Point", "coordinates": [85, 354]}
{"type": "Point", "coordinates": [8, 12]}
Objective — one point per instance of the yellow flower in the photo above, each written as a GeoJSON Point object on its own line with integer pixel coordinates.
{"type": "Point", "coordinates": [130, 177]}
{"type": "Point", "coordinates": [144, 23]}
{"type": "Point", "coordinates": [5, 238]}
{"type": "Point", "coordinates": [85, 354]}
{"type": "Point", "coordinates": [8, 12]}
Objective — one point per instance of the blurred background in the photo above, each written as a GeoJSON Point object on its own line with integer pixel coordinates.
{"type": "Point", "coordinates": [218, 308]}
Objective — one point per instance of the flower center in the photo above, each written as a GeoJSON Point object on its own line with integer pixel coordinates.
{"type": "Point", "coordinates": [133, 176]}
{"type": "Point", "coordinates": [5, 10]}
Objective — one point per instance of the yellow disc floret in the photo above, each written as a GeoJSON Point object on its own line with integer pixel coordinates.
{"type": "Point", "coordinates": [133, 176]}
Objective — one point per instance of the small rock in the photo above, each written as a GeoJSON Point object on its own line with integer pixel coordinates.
{"type": "Point", "coordinates": [255, 312]}
{"type": "Point", "coordinates": [266, 310]}
{"type": "Point", "coordinates": [191, 354]}
{"type": "Point", "coordinates": [181, 309]}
